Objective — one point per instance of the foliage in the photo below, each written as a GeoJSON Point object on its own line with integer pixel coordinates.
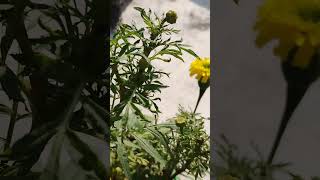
{"type": "Point", "coordinates": [62, 80]}
{"type": "Point", "coordinates": [140, 146]}
{"type": "Point", "coordinates": [237, 167]}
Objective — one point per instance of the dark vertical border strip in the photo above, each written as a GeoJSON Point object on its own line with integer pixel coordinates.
{"type": "Point", "coordinates": [109, 22]}
{"type": "Point", "coordinates": [212, 84]}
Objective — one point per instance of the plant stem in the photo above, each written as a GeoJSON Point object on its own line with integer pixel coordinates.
{"type": "Point", "coordinates": [70, 108]}
{"type": "Point", "coordinates": [201, 93]}
{"type": "Point", "coordinates": [13, 118]}
{"type": "Point", "coordinates": [183, 168]}
{"type": "Point", "coordinates": [75, 4]}
{"type": "Point", "coordinates": [294, 95]}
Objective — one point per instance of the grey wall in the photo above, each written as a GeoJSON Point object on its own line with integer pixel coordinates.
{"type": "Point", "coordinates": [249, 92]}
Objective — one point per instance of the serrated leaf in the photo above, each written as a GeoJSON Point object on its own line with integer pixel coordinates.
{"type": "Point", "coordinates": [122, 155]}
{"type": "Point", "coordinates": [129, 117]}
{"type": "Point", "coordinates": [130, 144]}
{"type": "Point", "coordinates": [161, 137]}
{"type": "Point", "coordinates": [146, 145]}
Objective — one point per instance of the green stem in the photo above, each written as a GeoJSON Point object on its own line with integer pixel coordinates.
{"type": "Point", "coordinates": [201, 93]}
{"type": "Point", "coordinates": [294, 95]}
{"type": "Point", "coordinates": [184, 166]}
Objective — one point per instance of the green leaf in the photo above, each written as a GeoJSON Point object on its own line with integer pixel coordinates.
{"type": "Point", "coordinates": [122, 154]}
{"type": "Point", "coordinates": [19, 58]}
{"type": "Point", "coordinates": [89, 160]}
{"type": "Point", "coordinates": [144, 16]}
{"type": "Point", "coordinates": [99, 114]}
{"type": "Point", "coordinates": [5, 109]}
{"type": "Point", "coordinates": [130, 144]}
{"type": "Point", "coordinates": [123, 50]}
{"type": "Point", "coordinates": [6, 42]}
{"type": "Point", "coordinates": [51, 171]}
{"type": "Point", "coordinates": [146, 145]}
{"type": "Point", "coordinates": [43, 61]}
{"type": "Point", "coordinates": [189, 51]}
{"type": "Point", "coordinates": [154, 87]}
{"type": "Point", "coordinates": [10, 84]}
{"type": "Point", "coordinates": [130, 118]}
{"type": "Point", "coordinates": [34, 140]}
{"type": "Point", "coordinates": [138, 111]}
{"type": "Point", "coordinates": [24, 116]}
{"type": "Point", "coordinates": [165, 125]}
{"type": "Point", "coordinates": [161, 137]}
{"type": "Point", "coordinates": [44, 27]}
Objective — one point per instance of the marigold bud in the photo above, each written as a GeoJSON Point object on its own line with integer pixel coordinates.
{"type": "Point", "coordinates": [171, 17]}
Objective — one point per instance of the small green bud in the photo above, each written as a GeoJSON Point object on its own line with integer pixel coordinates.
{"type": "Point", "coordinates": [118, 170]}
{"type": "Point", "coordinates": [143, 64]}
{"type": "Point", "coordinates": [180, 120]}
{"type": "Point", "coordinates": [171, 17]}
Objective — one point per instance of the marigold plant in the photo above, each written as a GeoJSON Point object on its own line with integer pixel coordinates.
{"type": "Point", "coordinates": [141, 146]}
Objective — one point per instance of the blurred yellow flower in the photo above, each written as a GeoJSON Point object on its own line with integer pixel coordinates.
{"type": "Point", "coordinates": [295, 24]}
{"type": "Point", "coordinates": [201, 68]}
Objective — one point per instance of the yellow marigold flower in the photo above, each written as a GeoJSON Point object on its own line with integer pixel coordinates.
{"type": "Point", "coordinates": [201, 68]}
{"type": "Point", "coordinates": [295, 24]}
